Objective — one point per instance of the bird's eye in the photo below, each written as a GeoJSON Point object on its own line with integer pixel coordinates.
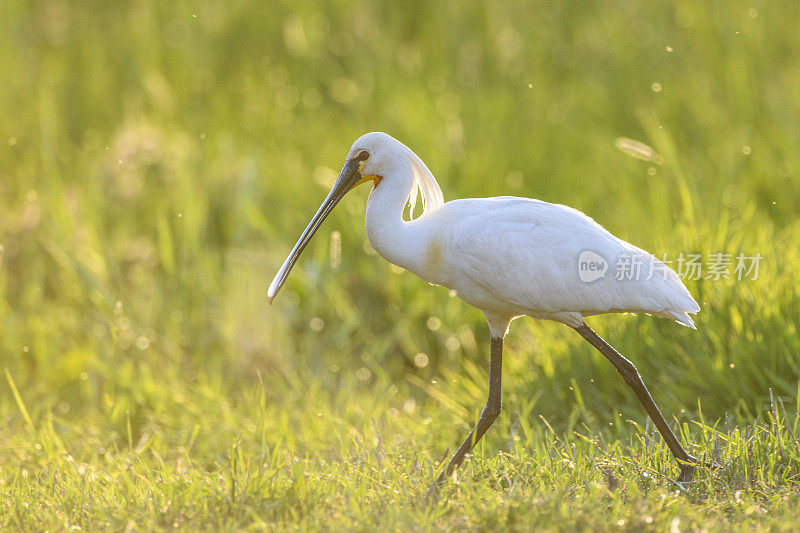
{"type": "Point", "coordinates": [362, 155]}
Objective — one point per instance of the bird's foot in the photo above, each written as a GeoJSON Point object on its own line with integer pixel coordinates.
{"type": "Point", "coordinates": [691, 464]}
{"type": "Point", "coordinates": [687, 472]}
{"type": "Point", "coordinates": [688, 466]}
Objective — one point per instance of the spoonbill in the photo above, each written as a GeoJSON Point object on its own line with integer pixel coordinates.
{"type": "Point", "coordinates": [509, 257]}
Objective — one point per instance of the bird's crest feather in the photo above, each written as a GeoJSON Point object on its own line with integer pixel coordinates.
{"type": "Point", "coordinates": [425, 185]}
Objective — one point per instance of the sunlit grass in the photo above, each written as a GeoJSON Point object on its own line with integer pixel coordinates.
{"type": "Point", "coordinates": [158, 160]}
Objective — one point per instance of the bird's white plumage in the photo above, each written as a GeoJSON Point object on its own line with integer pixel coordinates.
{"type": "Point", "coordinates": [508, 256]}
{"type": "Point", "coordinates": [525, 253]}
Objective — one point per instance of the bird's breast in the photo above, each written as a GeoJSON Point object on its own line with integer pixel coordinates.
{"type": "Point", "coordinates": [434, 268]}
{"type": "Point", "coordinates": [433, 256]}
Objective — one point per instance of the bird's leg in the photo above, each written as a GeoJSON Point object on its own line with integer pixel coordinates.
{"type": "Point", "coordinates": [489, 413]}
{"type": "Point", "coordinates": [634, 380]}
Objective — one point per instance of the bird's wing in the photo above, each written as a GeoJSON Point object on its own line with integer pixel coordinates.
{"type": "Point", "coordinates": [528, 253]}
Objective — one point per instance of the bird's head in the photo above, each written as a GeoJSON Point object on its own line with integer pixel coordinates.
{"type": "Point", "coordinates": [380, 152]}
{"type": "Point", "coordinates": [366, 161]}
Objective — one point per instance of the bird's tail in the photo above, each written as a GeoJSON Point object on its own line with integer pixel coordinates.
{"type": "Point", "coordinates": [680, 317]}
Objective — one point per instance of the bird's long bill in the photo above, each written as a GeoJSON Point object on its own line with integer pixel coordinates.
{"type": "Point", "coordinates": [348, 178]}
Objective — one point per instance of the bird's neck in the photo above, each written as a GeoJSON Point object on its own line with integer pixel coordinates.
{"type": "Point", "coordinates": [396, 240]}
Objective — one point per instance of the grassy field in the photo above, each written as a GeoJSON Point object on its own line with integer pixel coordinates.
{"type": "Point", "coordinates": [158, 160]}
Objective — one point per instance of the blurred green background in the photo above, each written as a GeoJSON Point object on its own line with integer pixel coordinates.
{"type": "Point", "coordinates": [159, 159]}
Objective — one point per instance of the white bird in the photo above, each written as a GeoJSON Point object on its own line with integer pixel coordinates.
{"type": "Point", "coordinates": [509, 257]}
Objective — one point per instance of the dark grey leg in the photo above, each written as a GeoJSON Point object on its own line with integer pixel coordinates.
{"type": "Point", "coordinates": [634, 381]}
{"type": "Point", "coordinates": [489, 413]}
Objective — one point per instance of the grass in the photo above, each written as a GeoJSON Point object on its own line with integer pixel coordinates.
{"type": "Point", "coordinates": [157, 162]}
